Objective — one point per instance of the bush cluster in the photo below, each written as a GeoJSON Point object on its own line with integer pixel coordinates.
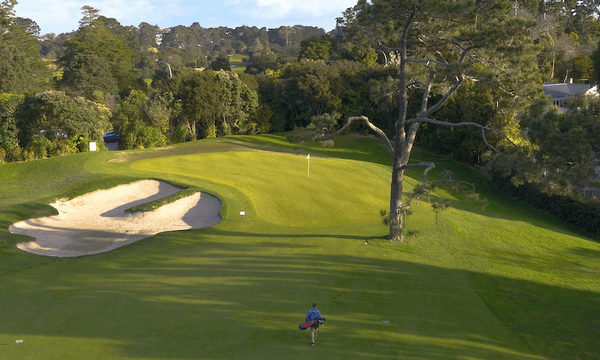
{"type": "Point", "coordinates": [584, 215]}
{"type": "Point", "coordinates": [41, 147]}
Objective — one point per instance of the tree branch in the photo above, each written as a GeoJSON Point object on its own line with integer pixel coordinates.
{"type": "Point", "coordinates": [387, 48]}
{"type": "Point", "coordinates": [442, 58]}
{"type": "Point", "coordinates": [427, 61]}
{"type": "Point", "coordinates": [416, 82]}
{"type": "Point", "coordinates": [379, 132]}
{"type": "Point", "coordinates": [425, 98]}
{"type": "Point", "coordinates": [422, 188]}
{"type": "Point", "coordinates": [479, 126]}
{"type": "Point", "coordinates": [428, 167]}
{"type": "Point", "coordinates": [443, 100]}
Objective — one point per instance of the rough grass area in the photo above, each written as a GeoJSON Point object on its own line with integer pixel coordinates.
{"type": "Point", "coordinates": [507, 282]}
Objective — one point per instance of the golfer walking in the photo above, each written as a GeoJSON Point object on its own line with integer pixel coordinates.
{"type": "Point", "coordinates": [313, 315]}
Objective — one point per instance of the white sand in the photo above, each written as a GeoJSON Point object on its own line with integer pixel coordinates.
{"type": "Point", "coordinates": [97, 222]}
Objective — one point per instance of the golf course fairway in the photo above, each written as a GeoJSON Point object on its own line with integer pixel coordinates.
{"type": "Point", "coordinates": [501, 282]}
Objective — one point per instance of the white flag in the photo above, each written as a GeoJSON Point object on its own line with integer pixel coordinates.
{"type": "Point", "coordinates": [308, 157]}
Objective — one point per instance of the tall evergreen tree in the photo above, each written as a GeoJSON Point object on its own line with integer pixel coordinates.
{"type": "Point", "coordinates": [440, 46]}
{"type": "Point", "coordinates": [90, 76]}
{"type": "Point", "coordinates": [94, 38]}
{"type": "Point", "coordinates": [22, 69]}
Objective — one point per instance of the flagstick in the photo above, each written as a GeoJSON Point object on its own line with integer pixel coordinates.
{"type": "Point", "coordinates": [308, 171]}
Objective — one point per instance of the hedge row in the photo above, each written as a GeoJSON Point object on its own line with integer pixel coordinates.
{"type": "Point", "coordinates": [41, 147]}
{"type": "Point", "coordinates": [585, 216]}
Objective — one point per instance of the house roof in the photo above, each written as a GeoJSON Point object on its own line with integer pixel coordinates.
{"type": "Point", "coordinates": [557, 90]}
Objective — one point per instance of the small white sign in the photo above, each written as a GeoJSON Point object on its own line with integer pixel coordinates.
{"type": "Point", "coordinates": [242, 213]}
{"type": "Point", "coordinates": [92, 146]}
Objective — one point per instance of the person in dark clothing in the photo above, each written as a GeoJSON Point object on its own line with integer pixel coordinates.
{"type": "Point", "coordinates": [313, 315]}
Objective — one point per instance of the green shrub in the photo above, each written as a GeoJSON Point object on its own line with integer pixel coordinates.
{"type": "Point", "coordinates": [41, 147]}
{"type": "Point", "coordinates": [179, 135]}
{"type": "Point", "coordinates": [65, 147]}
{"type": "Point", "coordinates": [584, 215]}
{"type": "Point", "coordinates": [152, 137]}
{"type": "Point", "coordinates": [210, 131]}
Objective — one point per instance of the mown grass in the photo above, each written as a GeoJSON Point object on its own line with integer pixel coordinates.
{"type": "Point", "coordinates": [504, 282]}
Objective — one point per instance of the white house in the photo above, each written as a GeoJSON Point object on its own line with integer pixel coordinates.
{"type": "Point", "coordinates": [562, 92]}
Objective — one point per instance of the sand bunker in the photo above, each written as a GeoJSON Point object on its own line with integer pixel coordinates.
{"type": "Point", "coordinates": [97, 222]}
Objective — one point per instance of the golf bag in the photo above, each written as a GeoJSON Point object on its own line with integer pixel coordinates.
{"type": "Point", "coordinates": [315, 323]}
{"type": "Point", "coordinates": [305, 325]}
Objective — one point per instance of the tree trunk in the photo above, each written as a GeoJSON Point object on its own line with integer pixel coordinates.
{"type": "Point", "coordinates": [397, 214]}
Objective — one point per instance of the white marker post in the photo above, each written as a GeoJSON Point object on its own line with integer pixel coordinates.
{"type": "Point", "coordinates": [242, 213]}
{"type": "Point", "coordinates": [92, 145]}
{"type": "Point", "coordinates": [308, 171]}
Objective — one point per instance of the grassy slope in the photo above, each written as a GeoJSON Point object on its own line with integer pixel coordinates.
{"type": "Point", "coordinates": [507, 282]}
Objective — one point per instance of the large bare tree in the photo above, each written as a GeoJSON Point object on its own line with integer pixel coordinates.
{"type": "Point", "coordinates": [440, 45]}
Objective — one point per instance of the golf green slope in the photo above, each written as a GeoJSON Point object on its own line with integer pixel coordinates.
{"type": "Point", "coordinates": [506, 282]}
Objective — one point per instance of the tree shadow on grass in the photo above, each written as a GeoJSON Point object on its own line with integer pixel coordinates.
{"type": "Point", "coordinates": [178, 299]}
{"type": "Point", "coordinates": [250, 234]}
{"type": "Point", "coordinates": [29, 210]}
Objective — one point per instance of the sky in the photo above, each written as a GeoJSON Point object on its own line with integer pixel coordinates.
{"type": "Point", "coordinates": [62, 16]}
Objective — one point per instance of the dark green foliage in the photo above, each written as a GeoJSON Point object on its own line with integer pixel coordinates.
{"type": "Point", "coordinates": [221, 63]}
{"type": "Point", "coordinates": [213, 103]}
{"type": "Point", "coordinates": [320, 126]}
{"type": "Point", "coordinates": [98, 40]}
{"type": "Point", "coordinates": [312, 88]}
{"type": "Point", "coordinates": [49, 124]}
{"type": "Point", "coordinates": [269, 97]}
{"type": "Point", "coordinates": [129, 34]}
{"type": "Point", "coordinates": [287, 36]}
{"type": "Point", "coordinates": [565, 146]}
{"type": "Point", "coordinates": [9, 132]}
{"type": "Point", "coordinates": [263, 62]}
{"type": "Point", "coordinates": [89, 76]}
{"type": "Point", "coordinates": [43, 146]}
{"type": "Point", "coordinates": [197, 94]}
{"type": "Point", "coordinates": [308, 89]}
{"type": "Point", "coordinates": [181, 37]}
{"type": "Point", "coordinates": [474, 103]}
{"type": "Point", "coordinates": [56, 114]}
{"type": "Point", "coordinates": [21, 67]}
{"type": "Point", "coordinates": [136, 128]}
{"type": "Point", "coordinates": [582, 68]}
{"type": "Point", "coordinates": [52, 46]}
{"type": "Point", "coordinates": [316, 48]}
{"type": "Point", "coordinates": [237, 101]}
{"type": "Point", "coordinates": [596, 64]}
{"type": "Point", "coordinates": [147, 35]}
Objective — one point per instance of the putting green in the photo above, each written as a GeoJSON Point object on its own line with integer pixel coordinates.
{"type": "Point", "coordinates": [280, 189]}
